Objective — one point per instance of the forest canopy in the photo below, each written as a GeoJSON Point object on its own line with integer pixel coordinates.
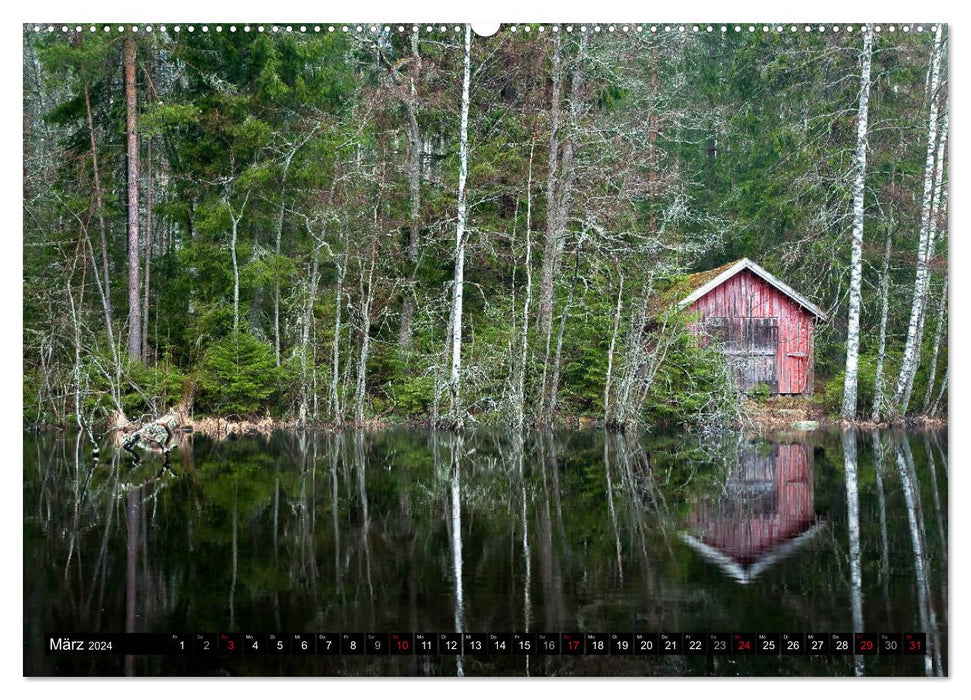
{"type": "Point", "coordinates": [339, 227]}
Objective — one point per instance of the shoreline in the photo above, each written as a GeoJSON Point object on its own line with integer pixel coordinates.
{"type": "Point", "coordinates": [760, 419]}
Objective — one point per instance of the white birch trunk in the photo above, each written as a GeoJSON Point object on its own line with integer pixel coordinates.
{"type": "Point", "coordinates": [557, 358]}
{"type": "Point", "coordinates": [908, 365]}
{"type": "Point", "coordinates": [306, 364]}
{"type": "Point", "coordinates": [336, 412]}
{"type": "Point", "coordinates": [232, 248]}
{"type": "Point", "coordinates": [936, 408]}
{"type": "Point", "coordinates": [458, 281]}
{"type": "Point", "coordinates": [366, 301]}
{"type": "Point", "coordinates": [877, 410]}
{"type": "Point", "coordinates": [938, 334]}
{"type": "Point", "coordinates": [520, 386]}
{"type": "Point", "coordinates": [546, 284]}
{"type": "Point", "coordinates": [276, 281]}
{"type": "Point", "coordinates": [938, 202]}
{"type": "Point", "coordinates": [608, 413]}
{"type": "Point", "coordinates": [856, 261]}
{"type": "Point", "coordinates": [235, 219]}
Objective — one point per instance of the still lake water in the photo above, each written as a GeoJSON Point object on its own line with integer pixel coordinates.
{"type": "Point", "coordinates": [413, 531]}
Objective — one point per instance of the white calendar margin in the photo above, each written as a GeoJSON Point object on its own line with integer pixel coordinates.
{"type": "Point", "coordinates": [592, 12]}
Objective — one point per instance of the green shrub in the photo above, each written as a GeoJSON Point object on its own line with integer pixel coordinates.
{"type": "Point", "coordinates": [237, 376]}
{"type": "Point", "coordinates": [691, 387]}
{"type": "Point", "coordinates": [762, 392]}
{"type": "Point", "coordinates": [151, 388]}
{"type": "Point", "coordinates": [865, 386]}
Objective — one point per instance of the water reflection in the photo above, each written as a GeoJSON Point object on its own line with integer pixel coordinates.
{"type": "Point", "coordinates": [415, 531]}
{"type": "Point", "coordinates": [764, 513]}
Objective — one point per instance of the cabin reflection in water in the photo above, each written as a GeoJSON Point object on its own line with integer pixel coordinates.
{"type": "Point", "coordinates": [765, 513]}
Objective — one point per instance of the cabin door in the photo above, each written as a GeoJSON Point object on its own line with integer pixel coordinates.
{"type": "Point", "coordinates": [751, 346]}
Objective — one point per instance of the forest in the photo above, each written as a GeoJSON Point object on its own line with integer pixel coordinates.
{"type": "Point", "coordinates": [368, 224]}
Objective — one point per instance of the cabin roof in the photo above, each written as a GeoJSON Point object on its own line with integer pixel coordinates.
{"type": "Point", "coordinates": [701, 283]}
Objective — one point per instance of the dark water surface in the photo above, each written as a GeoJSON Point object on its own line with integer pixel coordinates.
{"type": "Point", "coordinates": [413, 531]}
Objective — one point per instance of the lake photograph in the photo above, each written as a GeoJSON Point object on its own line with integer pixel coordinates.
{"type": "Point", "coordinates": [461, 350]}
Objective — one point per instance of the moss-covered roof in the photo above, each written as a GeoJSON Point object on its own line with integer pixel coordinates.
{"type": "Point", "coordinates": [694, 285]}
{"type": "Point", "coordinates": [668, 298]}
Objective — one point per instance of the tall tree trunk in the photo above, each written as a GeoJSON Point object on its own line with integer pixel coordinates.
{"type": "Point", "coordinates": [608, 409]}
{"type": "Point", "coordinates": [149, 203]}
{"type": "Point", "coordinates": [103, 283]}
{"type": "Point", "coordinates": [559, 195]}
{"type": "Point", "coordinates": [235, 219]}
{"type": "Point", "coordinates": [367, 298]}
{"type": "Point", "coordinates": [307, 366]}
{"type": "Point", "coordinates": [276, 277]}
{"type": "Point", "coordinates": [936, 407]}
{"type": "Point", "coordinates": [908, 367]}
{"type": "Point", "coordinates": [938, 334]}
{"type": "Point", "coordinates": [458, 281]}
{"type": "Point", "coordinates": [413, 168]}
{"type": "Point", "coordinates": [99, 208]}
{"type": "Point", "coordinates": [336, 410]}
{"type": "Point", "coordinates": [938, 205]}
{"type": "Point", "coordinates": [546, 282]}
{"type": "Point", "coordinates": [877, 411]}
{"type": "Point", "coordinates": [856, 262]}
{"type": "Point", "coordinates": [557, 358]}
{"type": "Point", "coordinates": [519, 399]}
{"type": "Point", "coordinates": [131, 114]}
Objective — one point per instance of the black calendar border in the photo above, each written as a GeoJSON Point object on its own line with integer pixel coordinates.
{"type": "Point", "coordinates": [633, 644]}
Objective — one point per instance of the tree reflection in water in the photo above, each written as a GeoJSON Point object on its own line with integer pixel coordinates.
{"type": "Point", "coordinates": [547, 532]}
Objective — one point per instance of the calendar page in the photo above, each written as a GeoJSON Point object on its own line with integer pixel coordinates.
{"type": "Point", "coordinates": [521, 349]}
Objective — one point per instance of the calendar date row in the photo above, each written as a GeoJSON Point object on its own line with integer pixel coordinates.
{"type": "Point", "coordinates": [492, 643]}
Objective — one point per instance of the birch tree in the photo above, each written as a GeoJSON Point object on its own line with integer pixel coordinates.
{"type": "Point", "coordinates": [235, 219]}
{"type": "Point", "coordinates": [856, 262]}
{"type": "Point", "coordinates": [877, 410]}
{"type": "Point", "coordinates": [933, 162]}
{"type": "Point", "coordinates": [458, 278]}
{"type": "Point", "coordinates": [938, 334]}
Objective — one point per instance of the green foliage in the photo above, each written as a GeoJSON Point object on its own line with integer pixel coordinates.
{"type": "Point", "coordinates": [151, 389]}
{"type": "Point", "coordinates": [761, 393]}
{"type": "Point", "coordinates": [832, 400]}
{"type": "Point", "coordinates": [691, 387]}
{"type": "Point", "coordinates": [682, 152]}
{"type": "Point", "coordinates": [237, 376]}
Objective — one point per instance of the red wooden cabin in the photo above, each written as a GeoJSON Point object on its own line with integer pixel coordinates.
{"type": "Point", "coordinates": [763, 326]}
